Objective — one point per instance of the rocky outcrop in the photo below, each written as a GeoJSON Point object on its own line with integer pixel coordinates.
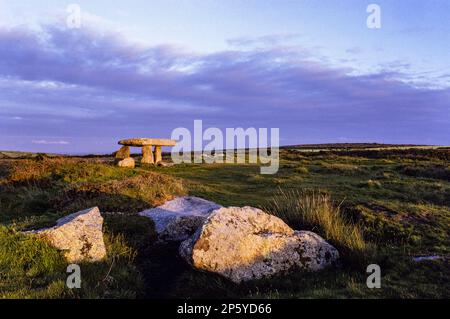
{"type": "Point", "coordinates": [244, 243]}
{"type": "Point", "coordinates": [179, 218]}
{"type": "Point", "coordinates": [79, 235]}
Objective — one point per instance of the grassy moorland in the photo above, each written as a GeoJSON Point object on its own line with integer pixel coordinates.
{"type": "Point", "coordinates": [376, 205]}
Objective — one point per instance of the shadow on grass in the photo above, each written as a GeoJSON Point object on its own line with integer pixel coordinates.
{"type": "Point", "coordinates": [164, 272]}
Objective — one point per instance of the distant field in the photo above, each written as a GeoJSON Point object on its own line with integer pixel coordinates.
{"type": "Point", "coordinates": [399, 195]}
{"type": "Point", "coordinates": [360, 147]}
{"type": "Point", "coordinates": [18, 155]}
{"type": "Point", "coordinates": [357, 146]}
{"type": "Point", "coordinates": [301, 148]}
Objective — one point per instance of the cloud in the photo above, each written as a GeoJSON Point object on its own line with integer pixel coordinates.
{"type": "Point", "coordinates": [45, 142]}
{"type": "Point", "coordinates": [92, 83]}
{"type": "Point", "coordinates": [354, 50]}
{"type": "Point", "coordinates": [265, 40]}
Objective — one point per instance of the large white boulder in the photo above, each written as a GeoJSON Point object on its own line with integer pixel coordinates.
{"type": "Point", "coordinates": [244, 243]}
{"type": "Point", "coordinates": [79, 235]}
{"type": "Point", "coordinates": [179, 218]}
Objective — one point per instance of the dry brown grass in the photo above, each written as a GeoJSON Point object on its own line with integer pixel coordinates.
{"type": "Point", "coordinates": [64, 185]}
{"type": "Point", "coordinates": [315, 211]}
{"type": "Point", "coordinates": [34, 169]}
{"type": "Point", "coordinates": [151, 188]}
{"type": "Point", "coordinates": [341, 167]}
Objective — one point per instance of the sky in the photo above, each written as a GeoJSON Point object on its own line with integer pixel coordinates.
{"type": "Point", "coordinates": [136, 68]}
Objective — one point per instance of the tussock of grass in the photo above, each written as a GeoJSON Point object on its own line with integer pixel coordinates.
{"type": "Point", "coordinates": [373, 183]}
{"type": "Point", "coordinates": [301, 170]}
{"type": "Point", "coordinates": [313, 210]}
{"type": "Point", "coordinates": [340, 167]}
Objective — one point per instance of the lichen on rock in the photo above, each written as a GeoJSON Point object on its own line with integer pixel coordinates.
{"type": "Point", "coordinates": [179, 218]}
{"type": "Point", "coordinates": [79, 235]}
{"type": "Point", "coordinates": [245, 243]}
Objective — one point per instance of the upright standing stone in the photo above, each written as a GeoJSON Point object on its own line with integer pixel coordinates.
{"type": "Point", "coordinates": [124, 152]}
{"type": "Point", "coordinates": [147, 155]}
{"type": "Point", "coordinates": [158, 156]}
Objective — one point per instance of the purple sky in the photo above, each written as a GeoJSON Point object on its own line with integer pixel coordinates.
{"type": "Point", "coordinates": [81, 90]}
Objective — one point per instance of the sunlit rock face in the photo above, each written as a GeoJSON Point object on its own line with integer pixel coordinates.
{"type": "Point", "coordinates": [126, 162]}
{"type": "Point", "coordinates": [79, 235]}
{"type": "Point", "coordinates": [179, 218]}
{"type": "Point", "coordinates": [244, 243]}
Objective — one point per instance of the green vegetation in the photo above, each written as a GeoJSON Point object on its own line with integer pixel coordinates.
{"type": "Point", "coordinates": [314, 211]}
{"type": "Point", "coordinates": [301, 170]}
{"type": "Point", "coordinates": [49, 188]}
{"type": "Point", "coordinates": [30, 268]}
{"type": "Point", "coordinates": [378, 205]}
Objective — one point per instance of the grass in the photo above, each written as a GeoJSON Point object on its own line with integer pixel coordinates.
{"type": "Point", "coordinates": [301, 170]}
{"type": "Point", "coordinates": [394, 201]}
{"type": "Point", "coordinates": [59, 186]}
{"type": "Point", "coordinates": [340, 167]}
{"type": "Point", "coordinates": [315, 211]}
{"type": "Point", "coordinates": [30, 268]}
{"type": "Point", "coordinates": [34, 193]}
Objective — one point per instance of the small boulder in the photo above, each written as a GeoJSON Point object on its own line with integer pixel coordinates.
{"type": "Point", "coordinates": [165, 164]}
{"type": "Point", "coordinates": [79, 235]}
{"type": "Point", "coordinates": [179, 218]}
{"type": "Point", "coordinates": [244, 243]}
{"type": "Point", "coordinates": [126, 162]}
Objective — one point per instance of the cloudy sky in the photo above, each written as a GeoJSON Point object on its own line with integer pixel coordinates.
{"type": "Point", "coordinates": [142, 68]}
